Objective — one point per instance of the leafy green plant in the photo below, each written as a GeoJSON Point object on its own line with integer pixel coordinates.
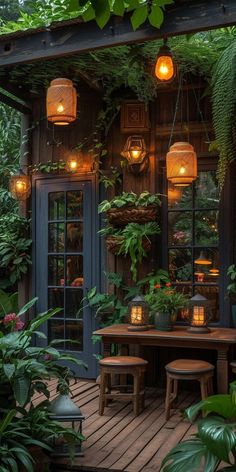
{"type": "Point", "coordinates": [215, 440]}
{"type": "Point", "coordinates": [43, 14]}
{"type": "Point", "coordinates": [111, 180]}
{"type": "Point", "coordinates": [48, 167]}
{"type": "Point", "coordinates": [14, 257]}
{"type": "Point", "coordinates": [231, 273]}
{"type": "Point", "coordinates": [166, 300]}
{"type": "Point", "coordinates": [127, 199]}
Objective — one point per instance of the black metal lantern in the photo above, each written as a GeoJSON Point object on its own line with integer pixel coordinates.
{"type": "Point", "coordinates": [199, 314]}
{"type": "Point", "coordinates": [64, 409]}
{"type": "Point", "coordinates": [136, 154]}
{"type": "Point", "coordinates": [138, 314]}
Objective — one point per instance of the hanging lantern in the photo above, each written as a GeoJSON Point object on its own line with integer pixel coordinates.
{"type": "Point", "coordinates": [61, 102]}
{"type": "Point", "coordinates": [199, 314]}
{"type": "Point", "coordinates": [202, 259]}
{"type": "Point", "coordinates": [20, 186]}
{"type": "Point", "coordinates": [138, 314]}
{"type": "Point", "coordinates": [181, 162]}
{"type": "Point", "coordinates": [72, 164]}
{"type": "Point", "coordinates": [165, 68]}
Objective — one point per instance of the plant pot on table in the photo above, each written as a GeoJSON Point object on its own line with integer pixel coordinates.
{"type": "Point", "coordinates": [132, 214]}
{"type": "Point", "coordinates": [164, 321]}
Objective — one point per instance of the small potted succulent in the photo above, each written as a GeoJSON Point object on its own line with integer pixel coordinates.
{"type": "Point", "coordinates": [164, 303]}
{"type": "Point", "coordinates": [131, 208]}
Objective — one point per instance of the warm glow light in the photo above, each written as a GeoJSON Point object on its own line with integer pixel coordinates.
{"type": "Point", "coordinates": [60, 108]}
{"type": "Point", "coordinates": [182, 170]}
{"type": "Point", "coordinates": [200, 276]}
{"type": "Point", "coordinates": [164, 69]}
{"type": "Point", "coordinates": [181, 164]}
{"type": "Point", "coordinates": [135, 153]}
{"type": "Point", "coordinates": [134, 150]}
{"type": "Point", "coordinates": [136, 314]}
{"type": "Point", "coordinates": [72, 164]}
{"type": "Point", "coordinates": [202, 260]}
{"type": "Point", "coordinates": [198, 316]}
{"type": "Point", "coordinates": [20, 186]}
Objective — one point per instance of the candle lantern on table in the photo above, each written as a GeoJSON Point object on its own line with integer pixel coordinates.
{"type": "Point", "coordinates": [138, 315]}
{"type": "Point", "coordinates": [199, 314]}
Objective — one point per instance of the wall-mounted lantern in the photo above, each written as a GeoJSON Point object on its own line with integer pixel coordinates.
{"type": "Point", "coordinates": [138, 315]}
{"type": "Point", "coordinates": [198, 314]}
{"type": "Point", "coordinates": [61, 102]}
{"type": "Point", "coordinates": [20, 185]}
{"type": "Point", "coordinates": [165, 68]}
{"type": "Point", "coordinates": [135, 152]}
{"type": "Point", "coordinates": [72, 164]}
{"type": "Point", "coordinates": [181, 162]}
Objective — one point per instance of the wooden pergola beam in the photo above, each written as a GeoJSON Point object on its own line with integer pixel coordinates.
{"type": "Point", "coordinates": [14, 101]}
{"type": "Point", "coordinates": [184, 17]}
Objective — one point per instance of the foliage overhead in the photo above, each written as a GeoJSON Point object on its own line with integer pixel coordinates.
{"type": "Point", "coordinates": [44, 13]}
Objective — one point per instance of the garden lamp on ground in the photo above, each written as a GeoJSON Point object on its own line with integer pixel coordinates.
{"type": "Point", "coordinates": [64, 409]}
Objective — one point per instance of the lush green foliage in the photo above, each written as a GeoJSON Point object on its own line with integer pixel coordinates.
{"type": "Point", "coordinates": [231, 272]}
{"type": "Point", "coordinates": [166, 299]}
{"type": "Point", "coordinates": [43, 13]}
{"type": "Point", "coordinates": [215, 440]}
{"type": "Point", "coordinates": [127, 199]}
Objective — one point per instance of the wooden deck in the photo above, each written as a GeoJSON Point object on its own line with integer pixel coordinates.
{"type": "Point", "coordinates": [119, 441]}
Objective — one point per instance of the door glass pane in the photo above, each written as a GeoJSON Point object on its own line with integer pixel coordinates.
{"type": "Point", "coordinates": [74, 270]}
{"type": "Point", "coordinates": [73, 303]}
{"type": "Point", "coordinates": [206, 190]}
{"type": "Point", "coordinates": [56, 300]}
{"type": "Point", "coordinates": [74, 240]}
{"type": "Point", "coordinates": [56, 331]}
{"type": "Point", "coordinates": [180, 228]}
{"type": "Point", "coordinates": [74, 331]}
{"type": "Point", "coordinates": [206, 228]}
{"type": "Point", "coordinates": [56, 237]}
{"type": "Point", "coordinates": [56, 206]}
{"type": "Point", "coordinates": [75, 205]}
{"type": "Point", "coordinates": [180, 265]}
{"type": "Point", "coordinates": [55, 270]}
{"type": "Point", "coordinates": [179, 197]}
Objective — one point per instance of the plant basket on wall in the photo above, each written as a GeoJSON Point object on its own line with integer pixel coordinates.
{"type": "Point", "coordinates": [132, 214]}
{"type": "Point", "coordinates": [113, 244]}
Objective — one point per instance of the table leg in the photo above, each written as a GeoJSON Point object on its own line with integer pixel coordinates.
{"type": "Point", "coordinates": [222, 372]}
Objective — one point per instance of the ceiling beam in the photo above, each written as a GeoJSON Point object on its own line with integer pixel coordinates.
{"type": "Point", "coordinates": [184, 17]}
{"type": "Point", "coordinates": [14, 101]}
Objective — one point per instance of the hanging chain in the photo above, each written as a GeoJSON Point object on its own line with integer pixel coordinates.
{"type": "Point", "coordinates": [176, 108]}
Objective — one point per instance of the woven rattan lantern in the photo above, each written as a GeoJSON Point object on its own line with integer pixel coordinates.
{"type": "Point", "coordinates": [138, 315]}
{"type": "Point", "coordinates": [61, 102]}
{"type": "Point", "coordinates": [20, 186]}
{"type": "Point", "coordinates": [181, 162]}
{"type": "Point", "coordinates": [165, 68]}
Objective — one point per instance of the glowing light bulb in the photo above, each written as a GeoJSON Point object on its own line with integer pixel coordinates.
{"type": "Point", "coordinates": [73, 164]}
{"type": "Point", "coordinates": [135, 153]}
{"type": "Point", "coordinates": [164, 69]}
{"type": "Point", "coordinates": [20, 186]}
{"type": "Point", "coordinates": [182, 170]}
{"type": "Point", "coordinates": [60, 108]}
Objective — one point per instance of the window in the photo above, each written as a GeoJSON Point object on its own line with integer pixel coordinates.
{"type": "Point", "coordinates": [193, 238]}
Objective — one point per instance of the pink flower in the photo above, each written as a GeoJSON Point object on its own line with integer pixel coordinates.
{"type": "Point", "coordinates": [13, 320]}
{"type": "Point", "coordinates": [47, 357]}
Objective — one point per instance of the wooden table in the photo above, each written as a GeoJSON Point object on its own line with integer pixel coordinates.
{"type": "Point", "coordinates": [219, 339]}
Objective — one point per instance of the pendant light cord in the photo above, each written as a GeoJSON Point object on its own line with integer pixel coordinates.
{"type": "Point", "coordinates": [200, 112]}
{"type": "Point", "coordinates": [176, 109]}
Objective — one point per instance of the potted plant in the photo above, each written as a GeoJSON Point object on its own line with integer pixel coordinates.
{"type": "Point", "coordinates": [215, 440]}
{"type": "Point", "coordinates": [131, 208]}
{"type": "Point", "coordinates": [133, 240]}
{"type": "Point", "coordinates": [164, 303]}
{"type": "Point", "coordinates": [231, 291]}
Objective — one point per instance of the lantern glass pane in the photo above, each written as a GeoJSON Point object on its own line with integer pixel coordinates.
{"type": "Point", "coordinates": [164, 69]}
{"type": "Point", "coordinates": [206, 228]}
{"type": "Point", "coordinates": [180, 228]}
{"type": "Point", "coordinates": [212, 295]}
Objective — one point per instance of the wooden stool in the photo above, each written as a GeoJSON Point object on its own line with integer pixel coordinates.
{"type": "Point", "coordinates": [122, 365]}
{"type": "Point", "coordinates": [187, 369]}
{"type": "Point", "coordinates": [233, 366]}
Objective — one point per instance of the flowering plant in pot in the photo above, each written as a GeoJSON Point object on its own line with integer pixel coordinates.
{"type": "Point", "coordinates": [164, 303]}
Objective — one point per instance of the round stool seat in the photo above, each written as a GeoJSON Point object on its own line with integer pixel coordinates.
{"type": "Point", "coordinates": [122, 361]}
{"type": "Point", "coordinates": [233, 365]}
{"type": "Point", "coordinates": [189, 366]}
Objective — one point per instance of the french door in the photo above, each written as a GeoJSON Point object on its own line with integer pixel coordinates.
{"type": "Point", "coordinates": [66, 262]}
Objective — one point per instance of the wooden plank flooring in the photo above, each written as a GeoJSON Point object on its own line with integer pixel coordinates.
{"type": "Point", "coordinates": [119, 441]}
